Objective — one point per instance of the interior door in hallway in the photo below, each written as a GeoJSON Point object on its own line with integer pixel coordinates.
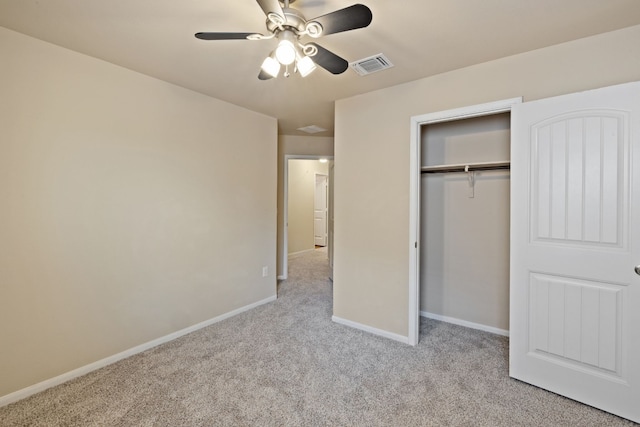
{"type": "Point", "coordinates": [320, 211]}
{"type": "Point", "coordinates": [575, 245]}
{"type": "Point", "coordinates": [330, 220]}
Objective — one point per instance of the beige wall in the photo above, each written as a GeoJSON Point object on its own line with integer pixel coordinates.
{"type": "Point", "coordinates": [293, 145]}
{"type": "Point", "coordinates": [371, 264]}
{"type": "Point", "coordinates": [302, 183]}
{"type": "Point", "coordinates": [464, 252]}
{"type": "Point", "coordinates": [132, 209]}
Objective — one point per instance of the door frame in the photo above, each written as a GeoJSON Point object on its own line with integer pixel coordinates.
{"type": "Point", "coordinates": [285, 208]}
{"type": "Point", "coordinates": [417, 122]}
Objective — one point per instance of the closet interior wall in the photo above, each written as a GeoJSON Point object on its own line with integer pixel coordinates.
{"type": "Point", "coordinates": [464, 254]}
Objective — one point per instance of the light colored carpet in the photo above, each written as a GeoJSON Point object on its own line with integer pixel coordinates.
{"type": "Point", "coordinates": [286, 364]}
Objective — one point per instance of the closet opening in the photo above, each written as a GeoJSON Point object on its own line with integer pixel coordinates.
{"type": "Point", "coordinates": [459, 212]}
{"type": "Point", "coordinates": [464, 222]}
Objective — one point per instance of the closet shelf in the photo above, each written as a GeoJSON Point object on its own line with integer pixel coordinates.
{"type": "Point", "coordinates": [466, 167]}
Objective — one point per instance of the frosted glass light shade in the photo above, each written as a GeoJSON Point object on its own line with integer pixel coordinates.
{"type": "Point", "coordinates": [271, 66]}
{"type": "Point", "coordinates": [306, 66]}
{"type": "Point", "coordinates": [286, 52]}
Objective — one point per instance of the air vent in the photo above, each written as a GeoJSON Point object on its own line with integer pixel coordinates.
{"type": "Point", "coordinates": [371, 64]}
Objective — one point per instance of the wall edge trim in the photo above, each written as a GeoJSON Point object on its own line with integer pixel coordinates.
{"type": "Point", "coordinates": [83, 370]}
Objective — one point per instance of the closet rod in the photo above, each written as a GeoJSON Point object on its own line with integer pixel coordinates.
{"type": "Point", "coordinates": [466, 167]}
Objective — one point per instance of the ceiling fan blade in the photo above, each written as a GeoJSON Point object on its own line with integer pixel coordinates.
{"type": "Point", "coordinates": [264, 76]}
{"type": "Point", "coordinates": [329, 60]}
{"type": "Point", "coordinates": [349, 18]}
{"type": "Point", "coordinates": [271, 6]}
{"type": "Point", "coordinates": [223, 36]}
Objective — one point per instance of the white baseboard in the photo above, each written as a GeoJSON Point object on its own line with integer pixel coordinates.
{"type": "Point", "coordinates": [301, 252]}
{"type": "Point", "coordinates": [465, 323]}
{"type": "Point", "coordinates": [371, 330]}
{"type": "Point", "coordinates": [68, 376]}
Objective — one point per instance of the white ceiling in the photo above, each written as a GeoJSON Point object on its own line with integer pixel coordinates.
{"type": "Point", "coordinates": [420, 37]}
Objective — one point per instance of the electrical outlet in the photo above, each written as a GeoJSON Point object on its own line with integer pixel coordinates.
{"type": "Point", "coordinates": [265, 271]}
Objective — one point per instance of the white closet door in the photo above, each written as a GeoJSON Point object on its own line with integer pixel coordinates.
{"type": "Point", "coordinates": [575, 240]}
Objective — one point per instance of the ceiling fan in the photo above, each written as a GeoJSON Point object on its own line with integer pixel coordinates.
{"type": "Point", "coordinates": [288, 26]}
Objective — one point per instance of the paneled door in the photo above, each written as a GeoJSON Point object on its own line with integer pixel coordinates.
{"type": "Point", "coordinates": [575, 245]}
{"type": "Point", "coordinates": [330, 219]}
{"type": "Point", "coordinates": [320, 211]}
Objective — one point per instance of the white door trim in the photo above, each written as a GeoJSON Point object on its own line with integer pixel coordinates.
{"type": "Point", "coordinates": [414, 193]}
{"type": "Point", "coordinates": [285, 208]}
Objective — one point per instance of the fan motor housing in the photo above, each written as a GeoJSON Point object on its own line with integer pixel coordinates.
{"type": "Point", "coordinates": [294, 20]}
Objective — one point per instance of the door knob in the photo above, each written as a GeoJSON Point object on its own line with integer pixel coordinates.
{"type": "Point", "coordinates": [637, 269]}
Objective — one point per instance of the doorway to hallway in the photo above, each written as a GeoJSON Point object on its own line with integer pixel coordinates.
{"type": "Point", "coordinates": [307, 207]}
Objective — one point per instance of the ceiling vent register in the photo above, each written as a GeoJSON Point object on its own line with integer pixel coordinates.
{"type": "Point", "coordinates": [371, 64]}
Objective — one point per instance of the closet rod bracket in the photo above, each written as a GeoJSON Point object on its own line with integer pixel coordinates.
{"type": "Point", "coordinates": [471, 176]}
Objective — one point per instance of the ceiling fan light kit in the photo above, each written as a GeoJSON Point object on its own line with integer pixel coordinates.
{"type": "Point", "coordinates": [288, 25]}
